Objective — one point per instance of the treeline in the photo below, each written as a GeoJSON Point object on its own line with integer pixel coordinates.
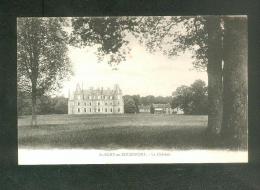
{"type": "Point", "coordinates": [45, 105]}
{"type": "Point", "coordinates": [192, 100]}
{"type": "Point", "coordinates": [133, 102]}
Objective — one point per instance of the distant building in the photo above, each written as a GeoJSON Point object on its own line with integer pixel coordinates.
{"type": "Point", "coordinates": [162, 109]}
{"type": "Point", "coordinates": [144, 109]}
{"type": "Point", "coordinates": [96, 101]}
{"type": "Point", "coordinates": [178, 111]}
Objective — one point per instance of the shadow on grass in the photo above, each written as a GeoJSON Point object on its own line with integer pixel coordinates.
{"type": "Point", "coordinates": [142, 137]}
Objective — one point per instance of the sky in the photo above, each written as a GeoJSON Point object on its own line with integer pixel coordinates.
{"type": "Point", "coordinates": [142, 73]}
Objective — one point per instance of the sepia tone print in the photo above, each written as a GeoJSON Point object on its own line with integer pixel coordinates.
{"type": "Point", "coordinates": [146, 89]}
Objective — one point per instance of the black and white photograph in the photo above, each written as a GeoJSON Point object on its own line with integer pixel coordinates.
{"type": "Point", "coordinates": [132, 89]}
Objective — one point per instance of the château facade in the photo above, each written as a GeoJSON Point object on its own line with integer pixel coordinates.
{"type": "Point", "coordinates": [96, 101]}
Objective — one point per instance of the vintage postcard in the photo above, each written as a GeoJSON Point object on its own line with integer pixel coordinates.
{"type": "Point", "coordinates": [132, 90]}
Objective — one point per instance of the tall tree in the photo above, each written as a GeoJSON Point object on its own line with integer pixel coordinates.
{"type": "Point", "coordinates": [203, 36]}
{"type": "Point", "coordinates": [235, 81]}
{"type": "Point", "coordinates": [214, 70]}
{"type": "Point", "coordinates": [42, 61]}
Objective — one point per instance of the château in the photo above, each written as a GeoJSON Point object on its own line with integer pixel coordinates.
{"type": "Point", "coordinates": [96, 101]}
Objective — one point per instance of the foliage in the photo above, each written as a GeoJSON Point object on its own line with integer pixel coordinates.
{"type": "Point", "coordinates": [170, 35]}
{"type": "Point", "coordinates": [174, 35]}
{"type": "Point", "coordinates": [191, 99]}
{"type": "Point", "coordinates": [148, 100]}
{"type": "Point", "coordinates": [129, 105]}
{"type": "Point", "coordinates": [24, 103]}
{"type": "Point", "coordinates": [108, 34]}
{"type": "Point", "coordinates": [45, 105]}
{"type": "Point", "coordinates": [41, 54]}
{"type": "Point", "coordinates": [152, 109]}
{"type": "Point", "coordinates": [137, 100]}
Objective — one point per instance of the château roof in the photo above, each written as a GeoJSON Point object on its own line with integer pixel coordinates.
{"type": "Point", "coordinates": [99, 91]}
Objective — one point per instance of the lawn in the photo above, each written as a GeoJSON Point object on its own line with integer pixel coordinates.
{"type": "Point", "coordinates": [139, 131]}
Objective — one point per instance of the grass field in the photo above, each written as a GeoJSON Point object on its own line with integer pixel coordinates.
{"type": "Point", "coordinates": [114, 131]}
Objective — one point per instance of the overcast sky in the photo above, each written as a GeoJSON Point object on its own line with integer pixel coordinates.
{"type": "Point", "coordinates": [142, 73]}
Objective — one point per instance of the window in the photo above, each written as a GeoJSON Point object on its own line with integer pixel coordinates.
{"type": "Point", "coordinates": [85, 109]}
{"type": "Point", "coordinates": [118, 109]}
{"type": "Point", "coordinates": [90, 103]}
{"type": "Point", "coordinates": [105, 109]}
{"type": "Point", "coordinates": [111, 110]}
{"type": "Point", "coordinates": [98, 110]}
{"type": "Point", "coordinates": [89, 109]}
{"type": "Point", "coordinates": [78, 109]}
{"type": "Point", "coordinates": [78, 103]}
{"type": "Point", "coordinates": [98, 103]}
{"type": "Point", "coordinates": [85, 103]}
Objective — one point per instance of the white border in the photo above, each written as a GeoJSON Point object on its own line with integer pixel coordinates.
{"type": "Point", "coordinates": [127, 156]}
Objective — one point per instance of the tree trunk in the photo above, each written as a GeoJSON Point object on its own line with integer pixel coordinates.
{"type": "Point", "coordinates": [34, 117]}
{"type": "Point", "coordinates": [234, 126]}
{"type": "Point", "coordinates": [214, 70]}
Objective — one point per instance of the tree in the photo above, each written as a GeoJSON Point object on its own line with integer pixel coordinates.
{"type": "Point", "coordinates": [191, 99]}
{"type": "Point", "coordinates": [42, 60]}
{"type": "Point", "coordinates": [152, 109]}
{"type": "Point", "coordinates": [214, 70]}
{"type": "Point", "coordinates": [199, 98]}
{"type": "Point", "coordinates": [147, 100]}
{"type": "Point", "coordinates": [60, 105]}
{"type": "Point", "coordinates": [129, 105]}
{"type": "Point", "coordinates": [182, 98]}
{"type": "Point", "coordinates": [136, 99]}
{"type": "Point", "coordinates": [45, 105]}
{"type": "Point", "coordinates": [235, 81]}
{"type": "Point", "coordinates": [23, 103]}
